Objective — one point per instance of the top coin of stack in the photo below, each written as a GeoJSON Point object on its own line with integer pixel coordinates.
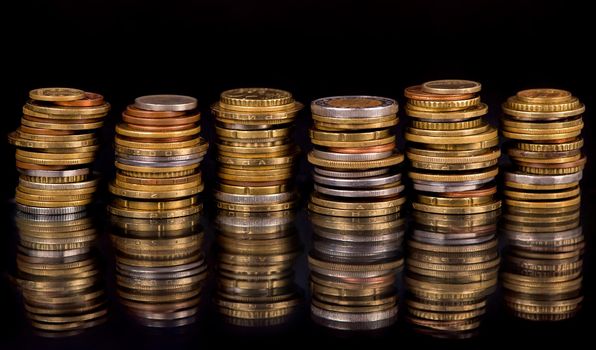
{"type": "Point", "coordinates": [353, 157]}
{"type": "Point", "coordinates": [255, 150]}
{"type": "Point", "coordinates": [452, 150]}
{"type": "Point", "coordinates": [56, 145]}
{"type": "Point", "coordinates": [158, 152]}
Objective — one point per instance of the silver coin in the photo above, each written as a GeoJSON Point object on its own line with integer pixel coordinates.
{"type": "Point", "coordinates": [171, 324]}
{"type": "Point", "coordinates": [50, 218]}
{"type": "Point", "coordinates": [543, 236]}
{"type": "Point", "coordinates": [351, 174]}
{"type": "Point", "coordinates": [351, 157]}
{"type": "Point", "coordinates": [349, 274]}
{"type": "Point", "coordinates": [55, 253]}
{"type": "Point", "coordinates": [166, 103]}
{"type": "Point", "coordinates": [49, 211]}
{"type": "Point", "coordinates": [358, 249]}
{"type": "Point", "coordinates": [160, 164]}
{"type": "Point", "coordinates": [254, 199]}
{"type": "Point", "coordinates": [164, 275]}
{"type": "Point", "coordinates": [350, 317]}
{"type": "Point", "coordinates": [531, 179]}
{"type": "Point", "coordinates": [251, 222]}
{"type": "Point", "coordinates": [167, 316]}
{"type": "Point", "coordinates": [452, 235]}
{"type": "Point", "coordinates": [372, 236]}
{"type": "Point", "coordinates": [158, 159]}
{"type": "Point", "coordinates": [372, 181]}
{"type": "Point", "coordinates": [354, 106]}
{"type": "Point", "coordinates": [59, 186]}
{"type": "Point", "coordinates": [160, 269]}
{"type": "Point", "coordinates": [354, 326]}
{"type": "Point", "coordinates": [54, 173]}
{"type": "Point", "coordinates": [440, 241]}
{"type": "Point", "coordinates": [382, 192]}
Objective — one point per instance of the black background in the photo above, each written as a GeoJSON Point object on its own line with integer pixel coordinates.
{"type": "Point", "coordinates": [123, 49]}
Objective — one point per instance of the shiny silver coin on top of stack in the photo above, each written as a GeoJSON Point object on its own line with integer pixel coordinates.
{"type": "Point", "coordinates": [355, 157]}
{"type": "Point", "coordinates": [158, 154]}
{"type": "Point", "coordinates": [56, 146]}
{"type": "Point", "coordinates": [451, 270]}
{"type": "Point", "coordinates": [354, 264]}
{"type": "Point", "coordinates": [59, 273]}
{"type": "Point", "coordinates": [255, 281]}
{"type": "Point", "coordinates": [160, 268]}
{"type": "Point", "coordinates": [452, 150]}
{"type": "Point", "coordinates": [255, 151]}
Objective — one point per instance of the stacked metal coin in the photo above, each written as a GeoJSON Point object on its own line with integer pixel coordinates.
{"type": "Point", "coordinates": [56, 145]}
{"type": "Point", "coordinates": [255, 267]}
{"type": "Point", "coordinates": [158, 153]}
{"type": "Point", "coordinates": [542, 277]}
{"type": "Point", "coordinates": [354, 264]}
{"type": "Point", "coordinates": [256, 153]}
{"type": "Point", "coordinates": [452, 150]}
{"type": "Point", "coordinates": [59, 273]}
{"type": "Point", "coordinates": [355, 157]}
{"type": "Point", "coordinates": [452, 266]}
{"type": "Point", "coordinates": [160, 268]}
{"type": "Point", "coordinates": [542, 201]}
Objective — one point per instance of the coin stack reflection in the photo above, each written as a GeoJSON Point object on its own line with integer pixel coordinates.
{"type": "Point", "coordinates": [355, 212]}
{"type": "Point", "coordinates": [59, 273]}
{"type": "Point", "coordinates": [452, 150]}
{"type": "Point", "coordinates": [160, 268]}
{"type": "Point", "coordinates": [354, 263]}
{"type": "Point", "coordinates": [158, 153]}
{"type": "Point", "coordinates": [543, 274]}
{"type": "Point", "coordinates": [255, 267]}
{"type": "Point", "coordinates": [56, 145]}
{"type": "Point", "coordinates": [452, 266]}
{"type": "Point", "coordinates": [256, 154]}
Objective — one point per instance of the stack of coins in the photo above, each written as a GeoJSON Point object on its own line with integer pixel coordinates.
{"type": "Point", "coordinates": [355, 157]}
{"type": "Point", "coordinates": [255, 267]}
{"type": "Point", "coordinates": [452, 150]}
{"type": "Point", "coordinates": [56, 144]}
{"type": "Point", "coordinates": [158, 153]}
{"type": "Point", "coordinates": [59, 274]}
{"type": "Point", "coordinates": [542, 199]}
{"type": "Point", "coordinates": [452, 266]}
{"type": "Point", "coordinates": [256, 154]}
{"type": "Point", "coordinates": [353, 266]}
{"type": "Point", "coordinates": [160, 268]}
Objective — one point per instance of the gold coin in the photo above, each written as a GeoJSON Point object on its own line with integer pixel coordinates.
{"type": "Point", "coordinates": [54, 156]}
{"type": "Point", "coordinates": [514, 102]}
{"type": "Point", "coordinates": [453, 166]}
{"type": "Point", "coordinates": [485, 174]}
{"type": "Point", "coordinates": [527, 115]}
{"type": "Point", "coordinates": [15, 139]}
{"type": "Point", "coordinates": [198, 149]}
{"type": "Point", "coordinates": [488, 155]}
{"type": "Point", "coordinates": [352, 127]}
{"type": "Point", "coordinates": [356, 205]}
{"type": "Point", "coordinates": [549, 171]}
{"type": "Point", "coordinates": [56, 94]}
{"type": "Point", "coordinates": [539, 137]}
{"type": "Point", "coordinates": [451, 87]}
{"type": "Point", "coordinates": [155, 170]}
{"type": "Point", "coordinates": [442, 138]}
{"type": "Point", "coordinates": [256, 97]}
{"type": "Point", "coordinates": [152, 194]}
{"type": "Point", "coordinates": [51, 197]}
{"type": "Point", "coordinates": [342, 121]}
{"type": "Point", "coordinates": [395, 159]}
{"type": "Point", "coordinates": [463, 147]}
{"type": "Point", "coordinates": [472, 123]}
{"type": "Point", "coordinates": [249, 150]}
{"type": "Point", "coordinates": [511, 123]}
{"type": "Point", "coordinates": [54, 138]}
{"type": "Point", "coordinates": [62, 112]}
{"type": "Point", "coordinates": [62, 126]}
{"type": "Point", "coordinates": [431, 153]}
{"type": "Point", "coordinates": [254, 190]}
{"type": "Point", "coordinates": [544, 96]}
{"type": "Point", "coordinates": [158, 145]}
{"type": "Point", "coordinates": [124, 130]}
{"type": "Point", "coordinates": [252, 134]}
{"type": "Point", "coordinates": [355, 212]}
{"type": "Point", "coordinates": [255, 207]}
{"type": "Point", "coordinates": [445, 104]}
{"type": "Point", "coordinates": [468, 113]}
{"type": "Point", "coordinates": [532, 187]}
{"type": "Point", "coordinates": [450, 133]}
{"type": "Point", "coordinates": [52, 204]}
{"type": "Point", "coordinates": [157, 187]}
{"type": "Point", "coordinates": [539, 161]}
{"type": "Point", "coordinates": [453, 202]}
{"type": "Point", "coordinates": [349, 136]}
{"type": "Point", "coordinates": [543, 205]}
{"type": "Point", "coordinates": [52, 162]}
{"type": "Point", "coordinates": [248, 163]}
{"type": "Point", "coordinates": [155, 206]}
{"type": "Point", "coordinates": [350, 144]}
{"type": "Point", "coordinates": [482, 208]}
{"type": "Point", "coordinates": [44, 192]}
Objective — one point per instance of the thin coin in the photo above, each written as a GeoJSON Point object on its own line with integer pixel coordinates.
{"type": "Point", "coordinates": [451, 87]}
{"type": "Point", "coordinates": [544, 95]}
{"type": "Point", "coordinates": [354, 106]}
{"type": "Point", "coordinates": [91, 99]}
{"type": "Point", "coordinates": [166, 103]}
{"type": "Point", "coordinates": [417, 93]}
{"type": "Point", "coordinates": [56, 94]}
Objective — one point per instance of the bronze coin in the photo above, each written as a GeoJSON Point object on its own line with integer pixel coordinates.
{"type": "Point", "coordinates": [165, 181]}
{"type": "Point", "coordinates": [150, 140]}
{"type": "Point", "coordinates": [91, 99]}
{"type": "Point", "coordinates": [62, 121]}
{"type": "Point", "coordinates": [161, 128]}
{"type": "Point", "coordinates": [185, 119]}
{"type": "Point", "coordinates": [137, 112]}
{"type": "Point", "coordinates": [481, 192]}
{"type": "Point", "coordinates": [39, 131]}
{"type": "Point", "coordinates": [30, 166]}
{"type": "Point", "coordinates": [416, 93]}
{"type": "Point", "coordinates": [255, 184]}
{"type": "Point", "coordinates": [353, 150]}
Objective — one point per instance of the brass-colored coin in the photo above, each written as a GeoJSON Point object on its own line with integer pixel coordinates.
{"type": "Point", "coordinates": [453, 166]}
{"type": "Point", "coordinates": [516, 103]}
{"type": "Point", "coordinates": [441, 137]}
{"type": "Point", "coordinates": [549, 171]}
{"type": "Point", "coordinates": [532, 187]}
{"type": "Point", "coordinates": [463, 147]}
{"type": "Point", "coordinates": [44, 192]}
{"type": "Point", "coordinates": [511, 123]}
{"type": "Point", "coordinates": [450, 133]}
{"type": "Point", "coordinates": [56, 94]}
{"type": "Point", "coordinates": [551, 147]}
{"type": "Point", "coordinates": [451, 87]}
{"type": "Point", "coordinates": [62, 112]}
{"type": "Point", "coordinates": [126, 130]}
{"type": "Point", "coordinates": [152, 194]}
{"type": "Point", "coordinates": [30, 122]}
{"type": "Point", "coordinates": [252, 134]}
{"type": "Point", "coordinates": [485, 174]}
{"type": "Point", "coordinates": [255, 207]}
{"type": "Point", "coordinates": [356, 212]}
{"type": "Point", "coordinates": [468, 113]}
{"type": "Point", "coordinates": [543, 116]}
{"type": "Point", "coordinates": [481, 208]}
{"type": "Point", "coordinates": [349, 136]}
{"type": "Point", "coordinates": [342, 121]}
{"type": "Point", "coordinates": [151, 171]}
{"type": "Point", "coordinates": [252, 150]}
{"type": "Point", "coordinates": [447, 154]}
{"type": "Point", "coordinates": [193, 177]}
{"type": "Point", "coordinates": [445, 104]}
{"type": "Point", "coordinates": [54, 156]}
{"type": "Point", "coordinates": [544, 96]}
{"type": "Point", "coordinates": [254, 190]}
{"type": "Point", "coordinates": [52, 204]}
{"type": "Point", "coordinates": [563, 159]}
{"type": "Point", "coordinates": [318, 200]}
{"type": "Point", "coordinates": [256, 97]}
{"type": "Point", "coordinates": [15, 139]}
{"type": "Point", "coordinates": [417, 93]}
{"type": "Point", "coordinates": [55, 136]}
{"type": "Point", "coordinates": [453, 201]}
{"type": "Point", "coordinates": [53, 162]}
{"type": "Point", "coordinates": [248, 163]}
{"type": "Point", "coordinates": [158, 145]}
{"type": "Point", "coordinates": [472, 123]}
{"type": "Point", "coordinates": [535, 205]}
{"type": "Point", "coordinates": [352, 127]}
{"type": "Point", "coordinates": [355, 144]}
{"type": "Point", "coordinates": [259, 143]}
{"type": "Point", "coordinates": [488, 155]}
{"type": "Point", "coordinates": [511, 134]}
{"type": "Point", "coordinates": [395, 159]}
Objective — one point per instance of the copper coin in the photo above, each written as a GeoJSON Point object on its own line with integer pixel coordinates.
{"type": "Point", "coordinates": [91, 99]}
{"type": "Point", "coordinates": [185, 119]}
{"type": "Point", "coordinates": [249, 184]}
{"type": "Point", "coordinates": [416, 93]}
{"type": "Point", "coordinates": [569, 139]}
{"type": "Point", "coordinates": [481, 192]}
{"type": "Point", "coordinates": [137, 112]}
{"type": "Point", "coordinates": [161, 128]}
{"type": "Point", "coordinates": [150, 140]}
{"type": "Point", "coordinates": [39, 131]}
{"type": "Point", "coordinates": [30, 166]}
{"type": "Point", "coordinates": [373, 149]}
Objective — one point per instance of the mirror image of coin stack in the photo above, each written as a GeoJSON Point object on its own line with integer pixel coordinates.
{"type": "Point", "coordinates": [158, 153]}
{"type": "Point", "coordinates": [453, 258]}
{"type": "Point", "coordinates": [160, 268]}
{"type": "Point", "coordinates": [355, 212]}
{"type": "Point", "coordinates": [542, 278]}
{"type": "Point", "coordinates": [451, 270]}
{"type": "Point", "coordinates": [59, 273]}
{"type": "Point", "coordinates": [255, 151]}
{"type": "Point", "coordinates": [256, 254]}
{"type": "Point", "coordinates": [56, 146]}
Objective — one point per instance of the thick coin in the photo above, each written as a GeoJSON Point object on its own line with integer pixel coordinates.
{"type": "Point", "coordinates": [451, 87]}
{"type": "Point", "coordinates": [91, 99]}
{"type": "Point", "coordinates": [56, 94]}
{"type": "Point", "coordinates": [256, 97]}
{"type": "Point", "coordinates": [354, 106]}
{"type": "Point", "coordinates": [166, 103]}
{"type": "Point", "coordinates": [417, 93]}
{"type": "Point", "coordinates": [544, 95]}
